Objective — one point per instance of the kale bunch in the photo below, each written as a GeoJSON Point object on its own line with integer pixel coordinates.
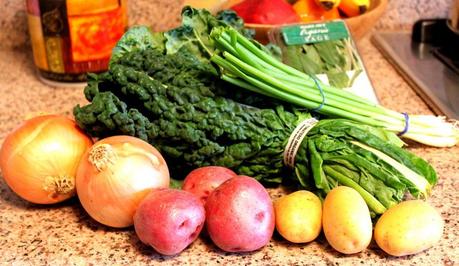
{"type": "Point", "coordinates": [187, 122]}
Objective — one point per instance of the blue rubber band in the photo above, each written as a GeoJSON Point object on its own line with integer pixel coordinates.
{"type": "Point", "coordinates": [407, 125]}
{"type": "Point", "coordinates": [321, 93]}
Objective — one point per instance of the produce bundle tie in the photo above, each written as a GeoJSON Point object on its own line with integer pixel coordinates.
{"type": "Point", "coordinates": [321, 93]}
{"type": "Point", "coordinates": [295, 139]}
{"type": "Point", "coordinates": [407, 125]}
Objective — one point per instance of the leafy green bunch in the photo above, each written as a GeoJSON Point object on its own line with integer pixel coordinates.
{"type": "Point", "coordinates": [174, 102]}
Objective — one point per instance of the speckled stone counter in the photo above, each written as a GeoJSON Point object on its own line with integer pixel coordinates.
{"type": "Point", "coordinates": [64, 234]}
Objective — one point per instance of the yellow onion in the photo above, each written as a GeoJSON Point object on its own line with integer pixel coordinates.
{"type": "Point", "coordinates": [115, 174]}
{"type": "Point", "coordinates": [40, 158]}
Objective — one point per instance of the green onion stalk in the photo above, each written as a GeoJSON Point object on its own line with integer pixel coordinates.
{"type": "Point", "coordinates": [247, 65]}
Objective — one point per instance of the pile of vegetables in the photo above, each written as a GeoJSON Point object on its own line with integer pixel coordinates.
{"type": "Point", "coordinates": [168, 106]}
{"type": "Point", "coordinates": [171, 100]}
{"type": "Point", "coordinates": [162, 101]}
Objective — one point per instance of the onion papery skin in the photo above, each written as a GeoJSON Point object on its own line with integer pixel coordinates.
{"type": "Point", "coordinates": [115, 175]}
{"type": "Point", "coordinates": [40, 158]}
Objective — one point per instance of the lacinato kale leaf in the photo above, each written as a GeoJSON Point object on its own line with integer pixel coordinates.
{"type": "Point", "coordinates": [182, 65]}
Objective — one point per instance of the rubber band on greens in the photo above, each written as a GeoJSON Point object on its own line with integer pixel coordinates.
{"type": "Point", "coordinates": [321, 93]}
{"type": "Point", "coordinates": [407, 124]}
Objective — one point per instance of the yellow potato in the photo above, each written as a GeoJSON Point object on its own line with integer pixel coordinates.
{"type": "Point", "coordinates": [346, 220]}
{"type": "Point", "coordinates": [408, 228]}
{"type": "Point", "coordinates": [299, 216]}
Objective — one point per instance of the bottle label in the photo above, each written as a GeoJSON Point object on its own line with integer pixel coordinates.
{"type": "Point", "coordinates": [72, 37]}
{"type": "Point", "coordinates": [94, 34]}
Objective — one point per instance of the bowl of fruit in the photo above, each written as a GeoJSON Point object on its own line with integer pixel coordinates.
{"type": "Point", "coordinates": [263, 15]}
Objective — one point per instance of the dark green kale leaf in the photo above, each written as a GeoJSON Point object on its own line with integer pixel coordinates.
{"type": "Point", "coordinates": [181, 66]}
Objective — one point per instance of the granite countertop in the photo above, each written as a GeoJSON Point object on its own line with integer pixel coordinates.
{"type": "Point", "coordinates": [64, 234]}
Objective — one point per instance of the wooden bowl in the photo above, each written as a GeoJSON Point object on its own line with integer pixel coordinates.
{"type": "Point", "coordinates": [358, 26]}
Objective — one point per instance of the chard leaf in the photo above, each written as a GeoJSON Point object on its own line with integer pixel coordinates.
{"type": "Point", "coordinates": [316, 168]}
{"type": "Point", "coordinates": [370, 166]}
{"type": "Point", "coordinates": [417, 184]}
{"type": "Point", "coordinates": [386, 195]}
{"type": "Point", "coordinates": [353, 131]}
{"type": "Point", "coordinates": [202, 23]}
{"type": "Point", "coordinates": [411, 161]}
{"type": "Point", "coordinates": [326, 144]}
{"type": "Point", "coordinates": [371, 201]}
{"type": "Point", "coordinates": [344, 163]}
{"type": "Point", "coordinates": [194, 33]}
{"type": "Point", "coordinates": [137, 38]}
{"type": "Point", "coordinates": [341, 128]}
{"type": "Point", "coordinates": [184, 39]}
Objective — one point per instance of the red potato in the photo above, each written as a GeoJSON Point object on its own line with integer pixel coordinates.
{"type": "Point", "coordinates": [240, 215]}
{"type": "Point", "coordinates": [169, 220]}
{"type": "Point", "coordinates": [202, 181]}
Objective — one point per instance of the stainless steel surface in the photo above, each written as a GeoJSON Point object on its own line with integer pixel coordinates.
{"type": "Point", "coordinates": [435, 82]}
